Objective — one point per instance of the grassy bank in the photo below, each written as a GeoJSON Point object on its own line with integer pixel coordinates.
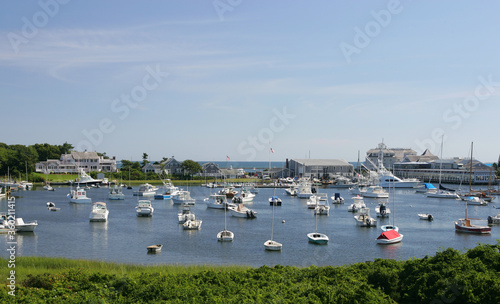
{"type": "Point", "coordinates": [61, 178]}
{"type": "Point", "coordinates": [451, 276]}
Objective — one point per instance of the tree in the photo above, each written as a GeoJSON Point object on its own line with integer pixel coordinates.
{"type": "Point", "coordinates": [191, 167]}
{"type": "Point", "coordinates": [145, 159]}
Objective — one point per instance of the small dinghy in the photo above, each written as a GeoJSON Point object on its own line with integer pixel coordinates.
{"type": "Point", "coordinates": [154, 248]}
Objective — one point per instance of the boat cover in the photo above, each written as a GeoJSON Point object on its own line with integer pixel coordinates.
{"type": "Point", "coordinates": [388, 235]}
{"type": "Point", "coordinates": [429, 186]}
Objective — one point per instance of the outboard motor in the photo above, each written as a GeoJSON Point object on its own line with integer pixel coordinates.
{"type": "Point", "coordinates": [383, 210]}
{"type": "Point", "coordinates": [429, 217]}
{"type": "Point", "coordinates": [490, 220]}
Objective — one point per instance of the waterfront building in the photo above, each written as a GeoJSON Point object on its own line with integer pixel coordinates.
{"type": "Point", "coordinates": [211, 169]}
{"type": "Point", "coordinates": [152, 168]}
{"type": "Point", "coordinates": [172, 166]}
{"type": "Point", "coordinates": [390, 156]}
{"type": "Point", "coordinates": [319, 168]}
{"type": "Point", "coordinates": [72, 162]}
{"type": "Point", "coordinates": [454, 170]}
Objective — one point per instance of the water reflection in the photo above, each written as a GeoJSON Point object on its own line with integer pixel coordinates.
{"type": "Point", "coordinates": [99, 232]}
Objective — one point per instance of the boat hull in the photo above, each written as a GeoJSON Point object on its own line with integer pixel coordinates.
{"type": "Point", "coordinates": [225, 236]}
{"type": "Point", "coordinates": [390, 241]}
{"type": "Point", "coordinates": [273, 245]}
{"type": "Point", "coordinates": [317, 238]}
{"type": "Point", "coordinates": [472, 229]}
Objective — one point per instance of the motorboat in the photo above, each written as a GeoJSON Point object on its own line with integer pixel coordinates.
{"type": "Point", "coordinates": [364, 219]}
{"type": "Point", "coordinates": [4, 226]}
{"type": "Point", "coordinates": [425, 216]}
{"type": "Point", "coordinates": [342, 182]}
{"type": "Point", "coordinates": [229, 192]}
{"type": "Point", "coordinates": [217, 201]}
{"type": "Point", "coordinates": [144, 208]}
{"type": "Point", "coordinates": [183, 197]}
{"type": "Point", "coordinates": [322, 207]}
{"type": "Point", "coordinates": [357, 204]}
{"type": "Point", "coordinates": [389, 237]}
{"type": "Point", "coordinates": [242, 211]}
{"type": "Point", "coordinates": [169, 190]}
{"type": "Point", "coordinates": [115, 193]}
{"type": "Point", "coordinates": [85, 179]}
{"type": "Point", "coordinates": [292, 190]}
{"type": "Point", "coordinates": [494, 219]}
{"type": "Point", "coordinates": [22, 226]}
{"type": "Point", "coordinates": [322, 210]}
{"type": "Point", "coordinates": [99, 212]}
{"type": "Point", "coordinates": [145, 190]}
{"type": "Point", "coordinates": [79, 196]}
{"type": "Point", "coordinates": [305, 189]}
{"type": "Point", "coordinates": [192, 225]}
{"type": "Point", "coordinates": [154, 248]}
{"type": "Point", "coordinates": [48, 187]}
{"type": "Point", "coordinates": [275, 200]}
{"type": "Point", "coordinates": [312, 202]}
{"type": "Point", "coordinates": [381, 210]}
{"type": "Point", "coordinates": [337, 199]}
{"type": "Point", "coordinates": [185, 214]}
{"type": "Point", "coordinates": [375, 192]}
{"type": "Point", "coordinates": [386, 179]}
{"type": "Point", "coordinates": [52, 207]}
{"type": "Point", "coordinates": [246, 195]}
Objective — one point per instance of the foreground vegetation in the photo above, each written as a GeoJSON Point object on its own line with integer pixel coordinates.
{"type": "Point", "coordinates": [450, 276]}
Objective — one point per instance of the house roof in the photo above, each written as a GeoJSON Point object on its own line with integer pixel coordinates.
{"type": "Point", "coordinates": [84, 155]}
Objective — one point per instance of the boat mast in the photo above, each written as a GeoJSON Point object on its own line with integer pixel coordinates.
{"type": "Point", "coordinates": [441, 161]}
{"type": "Point", "coordinates": [470, 168]}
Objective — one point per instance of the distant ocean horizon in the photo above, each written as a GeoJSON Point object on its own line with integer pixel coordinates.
{"type": "Point", "coordinates": [246, 164]}
{"type": "Point", "coordinates": [236, 164]}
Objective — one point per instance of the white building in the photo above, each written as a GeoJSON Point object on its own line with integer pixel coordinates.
{"type": "Point", "coordinates": [70, 163]}
{"type": "Point", "coordinates": [390, 156]}
{"type": "Point", "coordinates": [320, 168]}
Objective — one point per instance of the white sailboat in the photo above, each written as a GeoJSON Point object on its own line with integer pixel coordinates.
{"type": "Point", "coordinates": [271, 244]}
{"type": "Point", "coordinates": [316, 237]}
{"type": "Point", "coordinates": [440, 193]}
{"type": "Point", "coordinates": [225, 235]}
{"type": "Point", "coordinates": [390, 233]}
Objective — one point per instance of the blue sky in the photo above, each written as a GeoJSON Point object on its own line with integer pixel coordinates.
{"type": "Point", "coordinates": [204, 80]}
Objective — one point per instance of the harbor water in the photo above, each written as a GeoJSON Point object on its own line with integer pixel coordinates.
{"type": "Point", "coordinates": [124, 237]}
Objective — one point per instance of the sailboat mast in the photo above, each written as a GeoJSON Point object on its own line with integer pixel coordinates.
{"type": "Point", "coordinates": [470, 167]}
{"type": "Point", "coordinates": [441, 160]}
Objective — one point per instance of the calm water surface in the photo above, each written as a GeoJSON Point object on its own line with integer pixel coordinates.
{"type": "Point", "coordinates": [68, 232]}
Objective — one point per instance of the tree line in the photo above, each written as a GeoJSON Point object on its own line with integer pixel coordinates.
{"type": "Point", "coordinates": [16, 160]}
